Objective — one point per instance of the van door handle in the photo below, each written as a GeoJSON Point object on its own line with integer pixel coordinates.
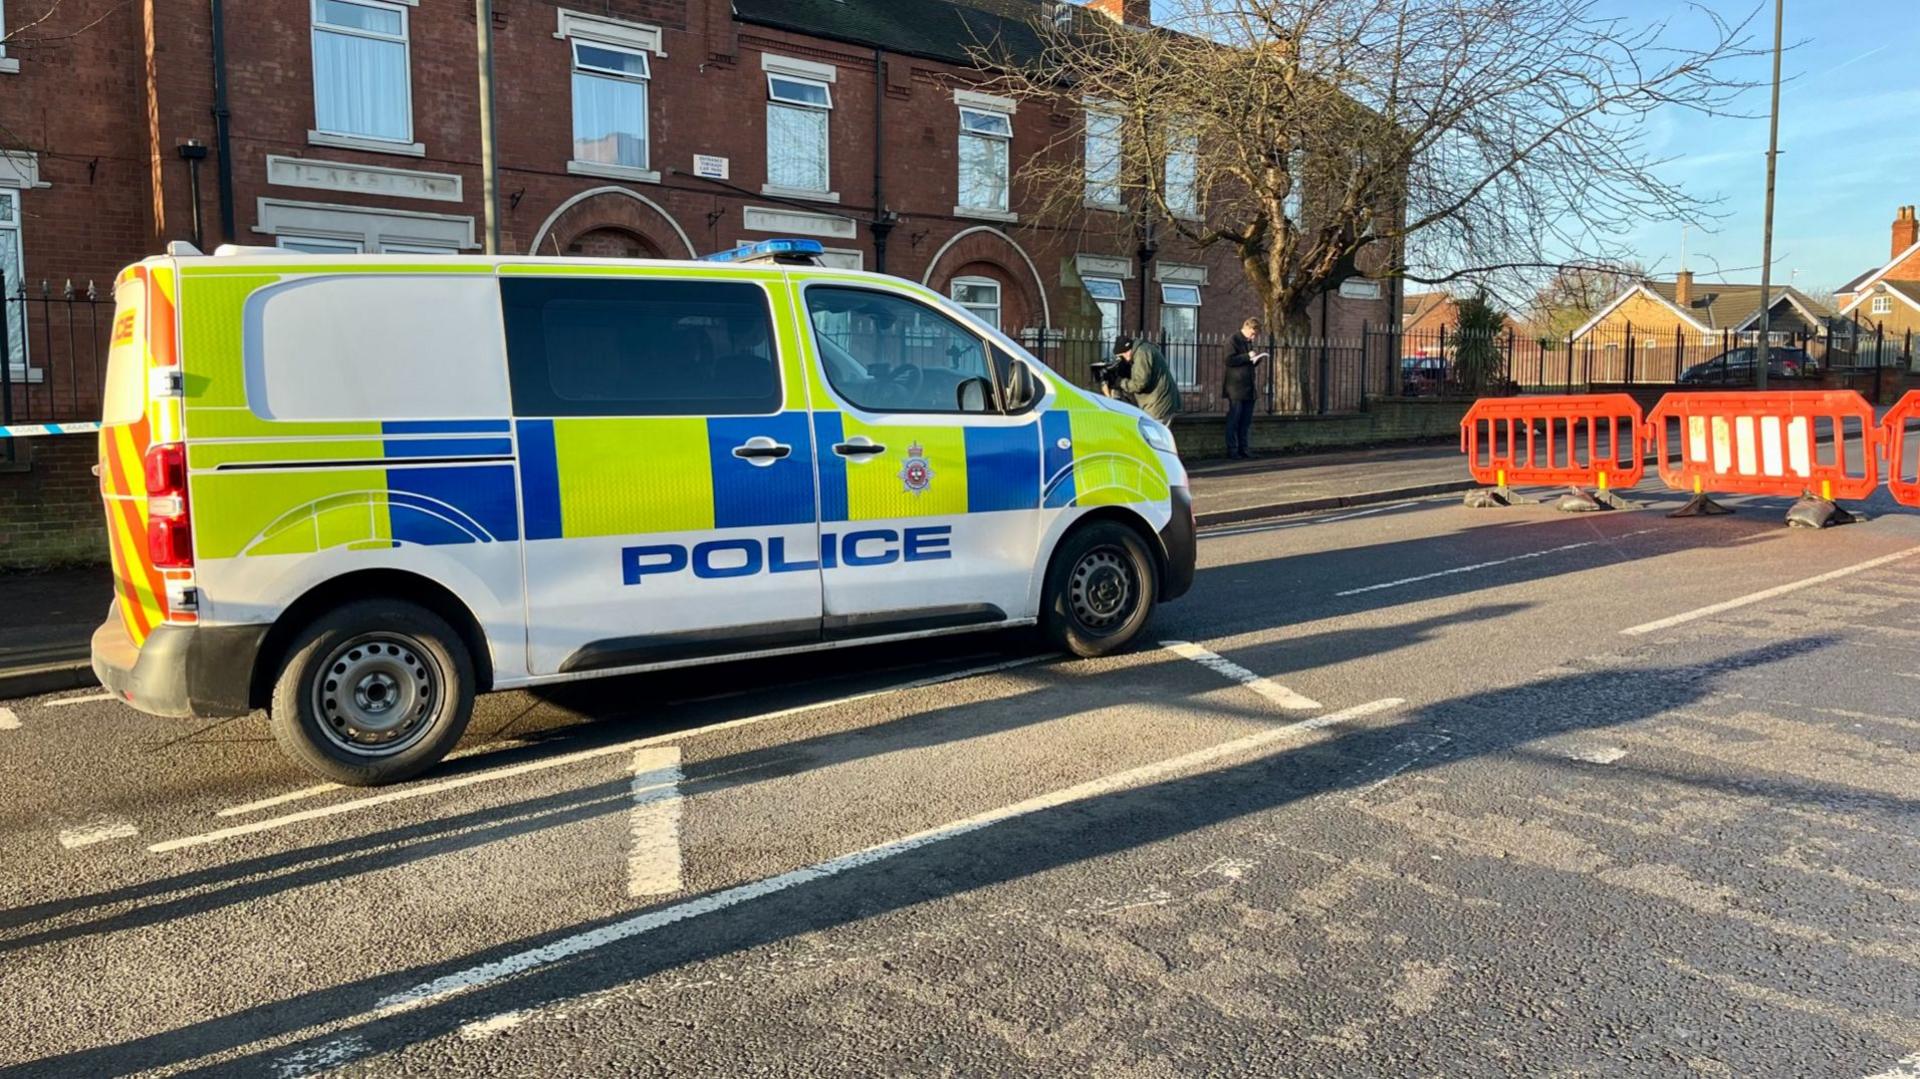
{"type": "Point", "coordinates": [858, 449]}
{"type": "Point", "coordinates": [761, 451]}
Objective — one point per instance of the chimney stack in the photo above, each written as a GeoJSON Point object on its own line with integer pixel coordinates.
{"type": "Point", "coordinates": [1683, 289]}
{"type": "Point", "coordinates": [1129, 12]}
{"type": "Point", "coordinates": [1906, 231]}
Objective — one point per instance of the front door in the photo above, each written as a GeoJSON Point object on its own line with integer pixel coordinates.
{"type": "Point", "coordinates": [929, 493]}
{"type": "Point", "coordinates": [666, 468]}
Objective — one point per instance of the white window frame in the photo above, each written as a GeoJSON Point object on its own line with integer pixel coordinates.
{"type": "Point", "coordinates": [643, 172]}
{"type": "Point", "coordinates": [1182, 357]}
{"type": "Point", "coordinates": [1102, 193]}
{"type": "Point", "coordinates": [999, 298]}
{"type": "Point", "coordinates": [16, 284]}
{"type": "Point", "coordinates": [1883, 304]}
{"type": "Point", "coordinates": [7, 66]}
{"type": "Point", "coordinates": [983, 105]}
{"type": "Point", "coordinates": [350, 140]}
{"type": "Point", "coordinates": [1183, 147]}
{"type": "Point", "coordinates": [373, 228]}
{"type": "Point", "coordinates": [319, 245]}
{"type": "Point", "coordinates": [823, 76]}
{"type": "Point", "coordinates": [1117, 300]}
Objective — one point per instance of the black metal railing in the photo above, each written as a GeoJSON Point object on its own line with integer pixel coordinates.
{"type": "Point", "coordinates": [1301, 376]}
{"type": "Point", "coordinates": [53, 351]}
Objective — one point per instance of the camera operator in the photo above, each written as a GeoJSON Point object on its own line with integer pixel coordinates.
{"type": "Point", "coordinates": [1139, 375]}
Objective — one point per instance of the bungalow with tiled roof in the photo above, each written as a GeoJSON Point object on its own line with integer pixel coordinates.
{"type": "Point", "coordinates": [1654, 311]}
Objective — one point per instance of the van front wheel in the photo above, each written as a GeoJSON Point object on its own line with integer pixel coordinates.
{"type": "Point", "coordinates": [373, 692]}
{"type": "Point", "coordinates": [1101, 590]}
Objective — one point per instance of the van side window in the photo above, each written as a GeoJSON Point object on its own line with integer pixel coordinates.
{"type": "Point", "coordinates": [639, 347]}
{"type": "Point", "coordinates": [886, 353]}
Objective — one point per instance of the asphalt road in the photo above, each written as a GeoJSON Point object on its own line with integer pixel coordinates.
{"type": "Point", "coordinates": [1426, 791]}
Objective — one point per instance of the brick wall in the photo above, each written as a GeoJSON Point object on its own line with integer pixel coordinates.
{"type": "Point", "coordinates": [50, 504]}
{"type": "Point", "coordinates": [1385, 421]}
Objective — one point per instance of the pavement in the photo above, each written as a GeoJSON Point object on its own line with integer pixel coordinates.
{"type": "Point", "coordinates": [1408, 789]}
{"type": "Point", "coordinates": [50, 616]}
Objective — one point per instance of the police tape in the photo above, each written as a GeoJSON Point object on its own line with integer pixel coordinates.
{"type": "Point", "coordinates": [29, 430]}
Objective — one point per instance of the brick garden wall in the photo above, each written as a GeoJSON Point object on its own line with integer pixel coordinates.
{"type": "Point", "coordinates": [1385, 420]}
{"type": "Point", "coordinates": [50, 505]}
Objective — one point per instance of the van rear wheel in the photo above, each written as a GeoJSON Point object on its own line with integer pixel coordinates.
{"type": "Point", "coordinates": [373, 692]}
{"type": "Point", "coordinates": [1101, 589]}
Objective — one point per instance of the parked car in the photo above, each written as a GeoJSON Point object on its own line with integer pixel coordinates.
{"type": "Point", "coordinates": [1735, 367]}
{"type": "Point", "coordinates": [1423, 375]}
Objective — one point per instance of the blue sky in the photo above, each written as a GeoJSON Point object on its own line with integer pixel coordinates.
{"type": "Point", "coordinates": [1849, 136]}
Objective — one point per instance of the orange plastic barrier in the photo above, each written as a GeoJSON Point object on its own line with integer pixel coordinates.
{"type": "Point", "coordinates": [1787, 444]}
{"type": "Point", "coordinates": [1588, 440]}
{"type": "Point", "coordinates": [1893, 443]}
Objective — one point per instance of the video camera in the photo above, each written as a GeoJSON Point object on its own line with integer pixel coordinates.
{"type": "Point", "coordinates": [1112, 373]}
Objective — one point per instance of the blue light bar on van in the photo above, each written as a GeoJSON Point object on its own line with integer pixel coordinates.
{"type": "Point", "coordinates": [802, 252]}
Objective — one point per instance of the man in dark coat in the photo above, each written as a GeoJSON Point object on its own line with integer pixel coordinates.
{"type": "Point", "coordinates": [1239, 389]}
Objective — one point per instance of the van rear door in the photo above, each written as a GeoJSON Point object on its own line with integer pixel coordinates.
{"type": "Point", "coordinates": [133, 421]}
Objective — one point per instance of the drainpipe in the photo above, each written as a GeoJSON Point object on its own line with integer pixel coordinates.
{"type": "Point", "coordinates": [193, 152]}
{"type": "Point", "coordinates": [883, 218]}
{"type": "Point", "coordinates": [222, 127]}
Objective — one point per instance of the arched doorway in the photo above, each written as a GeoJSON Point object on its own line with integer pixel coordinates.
{"type": "Point", "coordinates": [611, 222]}
{"type": "Point", "coordinates": [612, 243]}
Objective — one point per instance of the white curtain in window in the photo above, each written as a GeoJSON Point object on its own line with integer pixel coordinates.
{"type": "Point", "coordinates": [12, 267]}
{"type": "Point", "coordinates": [1183, 168]}
{"type": "Point", "coordinates": [983, 173]}
{"type": "Point", "coordinates": [360, 86]}
{"type": "Point", "coordinates": [797, 148]}
{"type": "Point", "coordinates": [1103, 158]}
{"type": "Point", "coordinates": [609, 121]}
{"type": "Point", "coordinates": [1180, 326]}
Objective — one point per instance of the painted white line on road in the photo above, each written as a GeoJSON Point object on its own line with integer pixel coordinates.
{"type": "Point", "coordinates": [1248, 530]}
{"type": "Point", "coordinates": [482, 1029]}
{"type": "Point", "coordinates": [1908, 1068]}
{"type": "Point", "coordinates": [567, 947]}
{"type": "Point", "coordinates": [278, 800]}
{"type": "Point", "coordinates": [321, 1058]}
{"type": "Point", "coordinates": [1597, 754]}
{"type": "Point", "coordinates": [653, 830]}
{"type": "Point", "coordinates": [1771, 593]}
{"type": "Point", "coordinates": [1490, 565]}
{"type": "Point", "coordinates": [88, 699]}
{"type": "Point", "coordinates": [9, 721]}
{"type": "Point", "coordinates": [1232, 671]}
{"type": "Point", "coordinates": [98, 831]}
{"type": "Point", "coordinates": [403, 794]}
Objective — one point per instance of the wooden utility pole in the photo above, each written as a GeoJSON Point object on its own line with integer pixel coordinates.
{"type": "Point", "coordinates": [1763, 355]}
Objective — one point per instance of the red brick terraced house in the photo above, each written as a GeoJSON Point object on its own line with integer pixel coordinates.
{"type": "Point", "coordinates": [625, 128]}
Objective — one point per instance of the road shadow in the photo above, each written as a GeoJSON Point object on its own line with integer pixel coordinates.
{"type": "Point", "coordinates": [1476, 725]}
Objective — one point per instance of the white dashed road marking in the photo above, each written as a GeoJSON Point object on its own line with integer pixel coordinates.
{"type": "Point", "coordinates": [653, 857]}
{"type": "Point", "coordinates": [9, 721]}
{"type": "Point", "coordinates": [88, 699]}
{"type": "Point", "coordinates": [98, 831]}
{"type": "Point", "coordinates": [402, 794]}
{"type": "Point", "coordinates": [640, 924]}
{"type": "Point", "coordinates": [1232, 671]}
{"type": "Point", "coordinates": [1908, 1068]}
{"type": "Point", "coordinates": [1597, 754]}
{"type": "Point", "coordinates": [1771, 593]}
{"type": "Point", "coordinates": [278, 800]}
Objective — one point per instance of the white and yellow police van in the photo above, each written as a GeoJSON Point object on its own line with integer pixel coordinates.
{"type": "Point", "coordinates": [358, 490]}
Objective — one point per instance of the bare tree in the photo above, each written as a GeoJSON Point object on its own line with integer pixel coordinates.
{"type": "Point", "coordinates": [1435, 140]}
{"type": "Point", "coordinates": [1574, 294]}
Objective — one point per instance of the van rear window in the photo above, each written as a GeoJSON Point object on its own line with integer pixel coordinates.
{"type": "Point", "coordinates": [639, 347]}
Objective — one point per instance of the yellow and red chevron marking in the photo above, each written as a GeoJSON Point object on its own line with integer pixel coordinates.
{"type": "Point", "coordinates": [123, 447]}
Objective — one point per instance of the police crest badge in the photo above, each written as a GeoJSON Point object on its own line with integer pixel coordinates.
{"type": "Point", "coordinates": [916, 475]}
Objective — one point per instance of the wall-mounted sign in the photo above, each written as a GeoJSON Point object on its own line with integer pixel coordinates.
{"type": "Point", "coordinates": [709, 167]}
{"type": "Point", "coordinates": [1359, 288]}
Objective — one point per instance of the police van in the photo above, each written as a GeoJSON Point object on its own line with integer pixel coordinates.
{"type": "Point", "coordinates": [358, 490]}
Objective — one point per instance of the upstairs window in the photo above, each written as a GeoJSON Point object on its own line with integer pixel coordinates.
{"type": "Point", "coordinates": [1883, 305]}
{"type": "Point", "coordinates": [797, 112]}
{"type": "Point", "coordinates": [1295, 203]}
{"type": "Point", "coordinates": [986, 138]}
{"type": "Point", "coordinates": [1103, 157]}
{"type": "Point", "coordinates": [1183, 176]}
{"type": "Point", "coordinates": [361, 83]}
{"type": "Point", "coordinates": [610, 105]}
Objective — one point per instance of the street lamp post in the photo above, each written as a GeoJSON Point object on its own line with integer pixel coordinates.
{"type": "Point", "coordinates": [1763, 355]}
{"type": "Point", "coordinates": [489, 165]}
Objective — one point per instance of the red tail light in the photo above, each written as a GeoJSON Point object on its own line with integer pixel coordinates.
{"type": "Point", "coordinates": [169, 526]}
